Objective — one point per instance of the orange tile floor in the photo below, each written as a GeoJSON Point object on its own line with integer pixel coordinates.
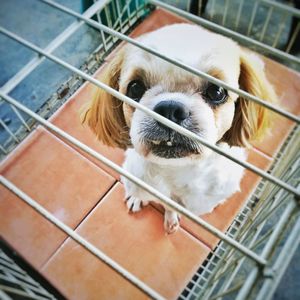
{"type": "Point", "coordinates": [88, 197]}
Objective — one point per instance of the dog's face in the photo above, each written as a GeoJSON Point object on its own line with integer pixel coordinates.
{"type": "Point", "coordinates": [206, 109]}
{"type": "Point", "coordinates": [186, 99]}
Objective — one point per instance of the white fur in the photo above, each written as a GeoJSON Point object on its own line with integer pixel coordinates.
{"type": "Point", "coordinates": [199, 186]}
{"type": "Point", "coordinates": [198, 182]}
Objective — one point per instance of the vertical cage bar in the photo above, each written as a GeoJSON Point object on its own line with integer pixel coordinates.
{"type": "Point", "coordinates": [252, 18]}
{"type": "Point", "coordinates": [269, 285]}
{"type": "Point", "coordinates": [188, 5]}
{"type": "Point", "coordinates": [20, 117]}
{"type": "Point", "coordinates": [225, 12]}
{"type": "Point", "coordinates": [244, 292]}
{"type": "Point", "coordinates": [270, 11]}
{"type": "Point", "coordinates": [3, 150]}
{"type": "Point", "coordinates": [238, 17]}
{"type": "Point", "coordinates": [212, 14]}
{"type": "Point", "coordinates": [2, 123]}
{"type": "Point", "coordinates": [293, 38]}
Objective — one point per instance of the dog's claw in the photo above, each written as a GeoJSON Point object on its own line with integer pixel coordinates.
{"type": "Point", "coordinates": [134, 204]}
{"type": "Point", "coordinates": [171, 222]}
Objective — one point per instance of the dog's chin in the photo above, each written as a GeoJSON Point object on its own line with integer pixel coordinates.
{"type": "Point", "coordinates": [168, 154]}
{"type": "Point", "coordinates": [168, 150]}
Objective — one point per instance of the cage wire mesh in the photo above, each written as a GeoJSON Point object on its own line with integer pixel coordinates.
{"type": "Point", "coordinates": [16, 283]}
{"type": "Point", "coordinates": [269, 222]}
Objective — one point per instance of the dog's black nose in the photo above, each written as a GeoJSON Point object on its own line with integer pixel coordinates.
{"type": "Point", "coordinates": [172, 110]}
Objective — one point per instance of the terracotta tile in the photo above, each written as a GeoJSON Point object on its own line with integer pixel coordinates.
{"type": "Point", "coordinates": [222, 216]}
{"type": "Point", "coordinates": [61, 180]}
{"type": "Point", "coordinates": [287, 85]}
{"type": "Point", "coordinates": [155, 20]}
{"type": "Point", "coordinates": [137, 242]}
{"type": "Point", "coordinates": [158, 18]}
{"type": "Point", "coordinates": [68, 119]}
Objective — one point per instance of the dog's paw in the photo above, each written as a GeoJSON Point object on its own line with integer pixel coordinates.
{"type": "Point", "coordinates": [171, 222]}
{"type": "Point", "coordinates": [134, 204]}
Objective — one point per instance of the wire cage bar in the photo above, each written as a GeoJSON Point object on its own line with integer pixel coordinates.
{"type": "Point", "coordinates": [15, 283]}
{"type": "Point", "coordinates": [250, 258]}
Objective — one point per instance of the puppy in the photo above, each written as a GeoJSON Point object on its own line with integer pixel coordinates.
{"type": "Point", "coordinates": [177, 166]}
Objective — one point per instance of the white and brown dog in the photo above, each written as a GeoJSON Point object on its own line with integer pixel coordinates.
{"type": "Point", "coordinates": [177, 166]}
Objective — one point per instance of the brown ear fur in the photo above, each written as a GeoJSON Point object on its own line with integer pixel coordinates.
{"type": "Point", "coordinates": [104, 115]}
{"type": "Point", "coordinates": [251, 121]}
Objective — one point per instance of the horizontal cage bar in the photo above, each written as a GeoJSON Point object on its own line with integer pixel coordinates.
{"type": "Point", "coordinates": [156, 116]}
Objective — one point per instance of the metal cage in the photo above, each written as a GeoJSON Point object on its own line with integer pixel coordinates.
{"type": "Point", "coordinates": [252, 256]}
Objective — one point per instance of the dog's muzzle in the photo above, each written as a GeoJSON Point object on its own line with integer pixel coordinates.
{"type": "Point", "coordinates": [163, 141]}
{"type": "Point", "coordinates": [172, 110]}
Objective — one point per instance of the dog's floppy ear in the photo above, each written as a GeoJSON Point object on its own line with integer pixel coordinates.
{"type": "Point", "coordinates": [104, 115]}
{"type": "Point", "coordinates": [251, 120]}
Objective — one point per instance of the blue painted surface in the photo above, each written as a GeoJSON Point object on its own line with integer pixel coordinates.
{"type": "Point", "coordinates": [39, 24]}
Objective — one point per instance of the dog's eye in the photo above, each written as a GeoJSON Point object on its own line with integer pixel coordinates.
{"type": "Point", "coordinates": [215, 94]}
{"type": "Point", "coordinates": [136, 89]}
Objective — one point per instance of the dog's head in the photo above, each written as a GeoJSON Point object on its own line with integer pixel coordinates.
{"type": "Point", "coordinates": [204, 108]}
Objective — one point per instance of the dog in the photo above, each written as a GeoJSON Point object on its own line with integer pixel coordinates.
{"type": "Point", "coordinates": [177, 166]}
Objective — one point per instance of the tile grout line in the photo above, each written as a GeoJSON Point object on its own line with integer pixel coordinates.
{"type": "Point", "coordinates": [76, 151]}
{"type": "Point", "coordinates": [77, 226]}
{"type": "Point", "coordinates": [183, 228]}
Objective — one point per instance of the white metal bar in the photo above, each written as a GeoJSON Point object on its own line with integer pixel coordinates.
{"type": "Point", "coordinates": [165, 200]}
{"type": "Point", "coordinates": [59, 40]}
{"type": "Point", "coordinates": [119, 17]}
{"type": "Point", "coordinates": [4, 296]}
{"type": "Point", "coordinates": [20, 117]}
{"type": "Point", "coordinates": [101, 32]}
{"type": "Point", "coordinates": [3, 150]}
{"type": "Point", "coordinates": [225, 12]}
{"type": "Point", "coordinates": [9, 265]}
{"type": "Point", "coordinates": [262, 35]}
{"type": "Point", "coordinates": [285, 217]}
{"type": "Point", "coordinates": [20, 293]}
{"type": "Point", "coordinates": [286, 8]}
{"type": "Point", "coordinates": [188, 68]}
{"type": "Point", "coordinates": [243, 237]}
{"type": "Point", "coordinates": [200, 3]}
{"type": "Point", "coordinates": [213, 4]}
{"type": "Point", "coordinates": [31, 288]}
{"type": "Point", "coordinates": [156, 116]}
{"type": "Point", "coordinates": [269, 285]}
{"type": "Point", "coordinates": [80, 240]}
{"type": "Point", "coordinates": [226, 31]}
{"type": "Point", "coordinates": [253, 15]}
{"type": "Point", "coordinates": [293, 38]}
{"type": "Point", "coordinates": [280, 29]}
{"type": "Point", "coordinates": [9, 131]}
{"type": "Point", "coordinates": [239, 14]}
{"type": "Point", "coordinates": [17, 274]}
{"type": "Point", "coordinates": [227, 292]}
{"type": "Point", "coordinates": [8, 277]}
{"type": "Point", "coordinates": [188, 5]}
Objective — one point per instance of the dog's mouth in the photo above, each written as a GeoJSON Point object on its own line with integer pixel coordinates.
{"type": "Point", "coordinates": [164, 142]}
{"type": "Point", "coordinates": [171, 149]}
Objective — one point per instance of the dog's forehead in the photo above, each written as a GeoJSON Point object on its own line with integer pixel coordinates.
{"type": "Point", "coordinates": [190, 44]}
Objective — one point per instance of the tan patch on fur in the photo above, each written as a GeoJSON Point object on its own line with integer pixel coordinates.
{"type": "Point", "coordinates": [251, 120]}
{"type": "Point", "coordinates": [217, 73]}
{"type": "Point", "coordinates": [128, 112]}
{"type": "Point", "coordinates": [223, 115]}
{"type": "Point", "coordinates": [104, 114]}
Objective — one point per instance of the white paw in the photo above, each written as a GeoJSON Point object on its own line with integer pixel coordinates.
{"type": "Point", "coordinates": [171, 221]}
{"type": "Point", "coordinates": [134, 204]}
